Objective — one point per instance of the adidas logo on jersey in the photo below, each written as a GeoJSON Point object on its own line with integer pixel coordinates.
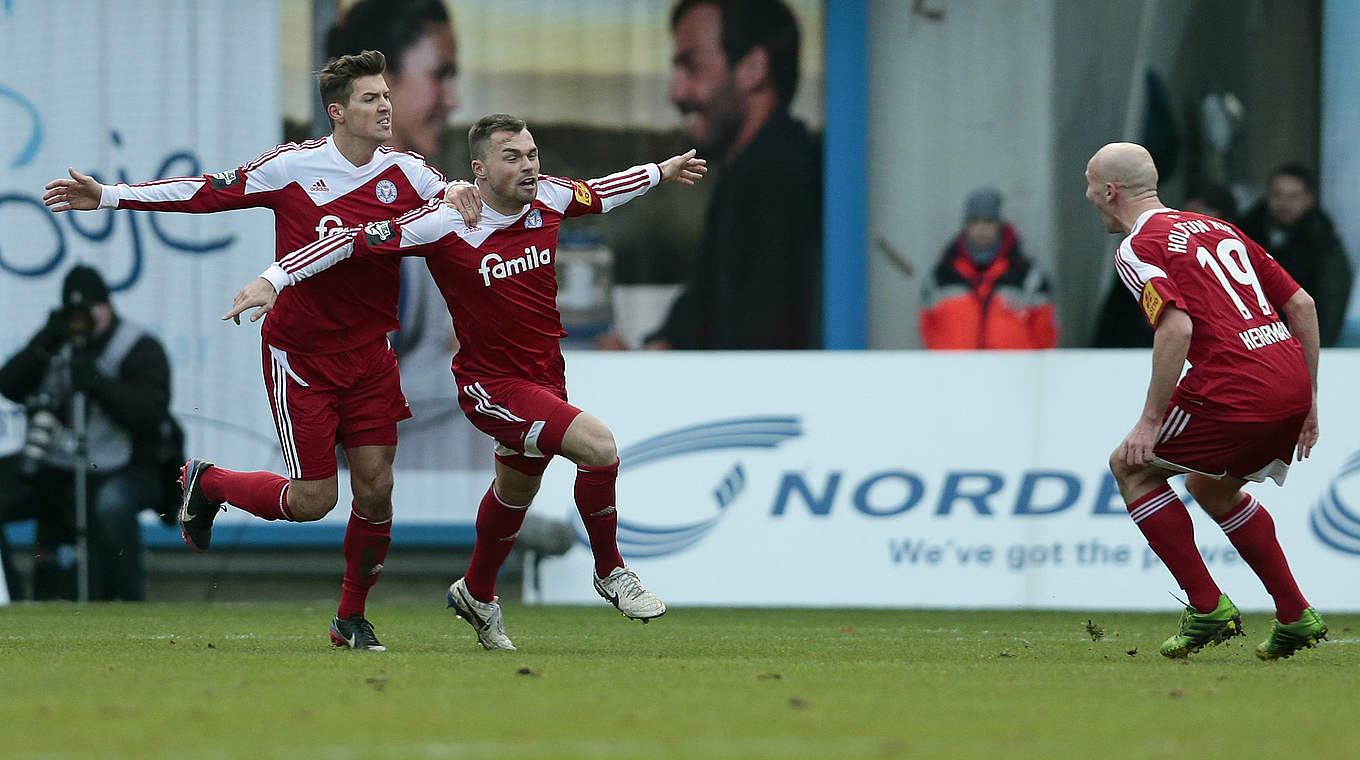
{"type": "Point", "coordinates": [320, 186]}
{"type": "Point", "coordinates": [493, 266]}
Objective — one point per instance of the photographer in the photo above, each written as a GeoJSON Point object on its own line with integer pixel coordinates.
{"type": "Point", "coordinates": [85, 347]}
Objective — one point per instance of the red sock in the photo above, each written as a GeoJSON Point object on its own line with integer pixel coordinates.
{"type": "Point", "coordinates": [1252, 531]}
{"type": "Point", "coordinates": [365, 549]}
{"type": "Point", "coordinates": [262, 494]}
{"type": "Point", "coordinates": [1162, 517]}
{"type": "Point", "coordinates": [595, 501]}
{"type": "Point", "coordinates": [497, 528]}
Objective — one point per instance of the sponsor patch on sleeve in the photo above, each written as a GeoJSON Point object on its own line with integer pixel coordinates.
{"type": "Point", "coordinates": [1152, 303]}
{"type": "Point", "coordinates": [377, 233]}
{"type": "Point", "coordinates": [225, 179]}
{"type": "Point", "coordinates": [582, 192]}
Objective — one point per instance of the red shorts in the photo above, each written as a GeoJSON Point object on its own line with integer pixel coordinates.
{"type": "Point", "coordinates": [1247, 450]}
{"type": "Point", "coordinates": [528, 420]}
{"type": "Point", "coordinates": [350, 397]}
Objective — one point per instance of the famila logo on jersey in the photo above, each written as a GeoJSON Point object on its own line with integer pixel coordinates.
{"type": "Point", "coordinates": [498, 268]}
{"type": "Point", "coordinates": [637, 539]}
{"type": "Point", "coordinates": [1335, 519]}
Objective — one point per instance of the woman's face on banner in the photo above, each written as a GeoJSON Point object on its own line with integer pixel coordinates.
{"type": "Point", "coordinates": [424, 90]}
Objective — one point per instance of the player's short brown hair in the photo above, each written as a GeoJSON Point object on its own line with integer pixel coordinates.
{"type": "Point", "coordinates": [336, 80]}
{"type": "Point", "coordinates": [480, 133]}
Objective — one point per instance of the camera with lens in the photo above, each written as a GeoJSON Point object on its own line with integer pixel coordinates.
{"type": "Point", "coordinates": [43, 428]}
{"type": "Point", "coordinates": [78, 319]}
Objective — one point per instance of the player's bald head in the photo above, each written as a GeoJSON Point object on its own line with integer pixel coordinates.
{"type": "Point", "coordinates": [1128, 165]}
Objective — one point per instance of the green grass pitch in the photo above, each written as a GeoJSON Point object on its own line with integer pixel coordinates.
{"type": "Point", "coordinates": [207, 681]}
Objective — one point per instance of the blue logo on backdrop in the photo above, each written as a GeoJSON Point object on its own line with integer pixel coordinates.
{"type": "Point", "coordinates": [386, 191]}
{"type": "Point", "coordinates": [95, 228]}
{"type": "Point", "coordinates": [1336, 522]}
{"type": "Point", "coordinates": [29, 151]}
{"type": "Point", "coordinates": [642, 540]}
{"type": "Point", "coordinates": [810, 494]}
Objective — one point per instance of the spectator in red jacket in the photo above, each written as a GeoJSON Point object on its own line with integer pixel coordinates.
{"type": "Point", "coordinates": [984, 292]}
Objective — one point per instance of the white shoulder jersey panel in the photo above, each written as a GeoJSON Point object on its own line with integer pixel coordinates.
{"type": "Point", "coordinates": [427, 180]}
{"type": "Point", "coordinates": [326, 176]}
{"type": "Point", "coordinates": [429, 224]}
{"type": "Point", "coordinates": [271, 171]}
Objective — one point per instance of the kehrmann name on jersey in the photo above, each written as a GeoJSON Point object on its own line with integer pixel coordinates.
{"type": "Point", "coordinates": [1265, 335]}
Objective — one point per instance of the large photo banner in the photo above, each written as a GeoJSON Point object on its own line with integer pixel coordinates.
{"type": "Point", "coordinates": [921, 480]}
{"type": "Point", "coordinates": [147, 89]}
{"type": "Point", "coordinates": [130, 92]}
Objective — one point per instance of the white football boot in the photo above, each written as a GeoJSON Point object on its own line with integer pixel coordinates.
{"type": "Point", "coordinates": [484, 617]}
{"type": "Point", "coordinates": [623, 590]}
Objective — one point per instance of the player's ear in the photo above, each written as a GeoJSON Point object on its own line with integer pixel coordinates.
{"type": "Point", "coordinates": [478, 169]}
{"type": "Point", "coordinates": [336, 112]}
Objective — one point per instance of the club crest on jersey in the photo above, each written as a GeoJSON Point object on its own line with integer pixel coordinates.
{"type": "Point", "coordinates": [497, 268]}
{"type": "Point", "coordinates": [534, 219]}
{"type": "Point", "coordinates": [582, 192]}
{"type": "Point", "coordinates": [386, 191]}
{"type": "Point", "coordinates": [225, 179]}
{"type": "Point", "coordinates": [377, 233]}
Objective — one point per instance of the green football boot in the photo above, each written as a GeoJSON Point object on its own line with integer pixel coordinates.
{"type": "Point", "coordinates": [1201, 628]}
{"type": "Point", "coordinates": [1288, 638]}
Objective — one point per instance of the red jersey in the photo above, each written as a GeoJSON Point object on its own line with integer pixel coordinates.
{"type": "Point", "coordinates": [498, 278]}
{"type": "Point", "coordinates": [1245, 364]}
{"type": "Point", "coordinates": [314, 191]}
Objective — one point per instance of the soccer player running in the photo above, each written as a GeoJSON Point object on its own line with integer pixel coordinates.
{"type": "Point", "coordinates": [1247, 404]}
{"type": "Point", "coordinates": [499, 281]}
{"type": "Point", "coordinates": [330, 373]}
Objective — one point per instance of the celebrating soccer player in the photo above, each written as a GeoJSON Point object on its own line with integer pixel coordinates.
{"type": "Point", "coordinates": [330, 373]}
{"type": "Point", "coordinates": [1247, 404]}
{"type": "Point", "coordinates": [498, 278]}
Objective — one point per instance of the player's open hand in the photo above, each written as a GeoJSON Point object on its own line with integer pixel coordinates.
{"type": "Point", "coordinates": [466, 199]}
{"type": "Point", "coordinates": [1308, 435]}
{"type": "Point", "coordinates": [684, 168]}
{"type": "Point", "coordinates": [79, 193]}
{"type": "Point", "coordinates": [258, 294]}
{"type": "Point", "coordinates": [1136, 450]}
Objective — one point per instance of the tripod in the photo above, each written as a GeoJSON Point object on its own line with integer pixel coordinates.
{"type": "Point", "coordinates": [80, 431]}
{"type": "Point", "coordinates": [79, 428]}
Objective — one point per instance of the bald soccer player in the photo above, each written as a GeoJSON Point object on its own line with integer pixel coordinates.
{"type": "Point", "coordinates": [1246, 406]}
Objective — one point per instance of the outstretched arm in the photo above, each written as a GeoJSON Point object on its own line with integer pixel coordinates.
{"type": "Point", "coordinates": [412, 234]}
{"type": "Point", "coordinates": [601, 195]}
{"type": "Point", "coordinates": [684, 168]}
{"type": "Point", "coordinates": [79, 193]}
{"type": "Point", "coordinates": [250, 185]}
{"type": "Point", "coordinates": [262, 292]}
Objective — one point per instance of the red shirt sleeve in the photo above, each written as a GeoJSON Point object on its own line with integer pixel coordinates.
{"type": "Point", "coordinates": [1158, 290]}
{"type": "Point", "coordinates": [247, 186]}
